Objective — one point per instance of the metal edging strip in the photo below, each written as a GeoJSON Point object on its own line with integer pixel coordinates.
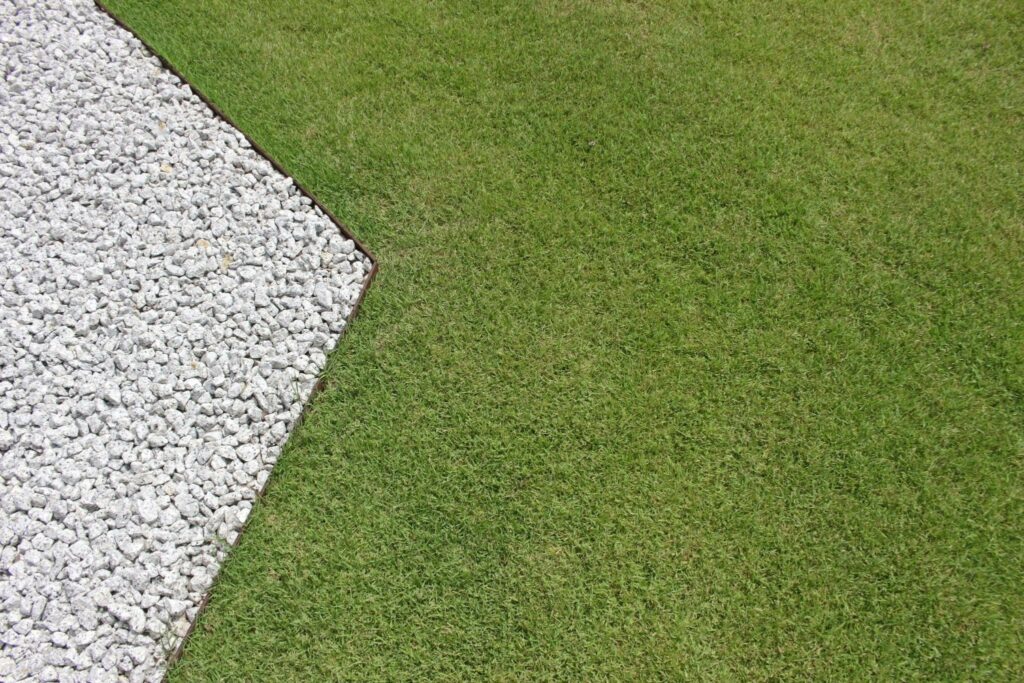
{"type": "Point", "coordinates": [319, 386]}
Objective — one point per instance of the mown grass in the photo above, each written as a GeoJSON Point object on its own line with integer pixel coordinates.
{"type": "Point", "coordinates": [696, 350]}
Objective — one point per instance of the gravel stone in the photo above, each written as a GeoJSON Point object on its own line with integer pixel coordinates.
{"type": "Point", "coordinates": [167, 300]}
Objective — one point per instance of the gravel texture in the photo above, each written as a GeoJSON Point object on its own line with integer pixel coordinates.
{"type": "Point", "coordinates": [166, 301]}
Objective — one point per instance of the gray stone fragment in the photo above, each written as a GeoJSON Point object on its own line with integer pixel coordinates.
{"type": "Point", "coordinates": [149, 511]}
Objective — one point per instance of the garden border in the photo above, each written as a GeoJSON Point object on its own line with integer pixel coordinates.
{"type": "Point", "coordinates": [176, 655]}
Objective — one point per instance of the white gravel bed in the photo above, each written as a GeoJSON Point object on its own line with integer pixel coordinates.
{"type": "Point", "coordinates": [166, 301]}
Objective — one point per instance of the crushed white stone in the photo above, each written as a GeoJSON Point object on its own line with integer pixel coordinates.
{"type": "Point", "coordinates": [166, 301]}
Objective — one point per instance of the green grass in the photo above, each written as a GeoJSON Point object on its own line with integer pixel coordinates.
{"type": "Point", "coordinates": [697, 350]}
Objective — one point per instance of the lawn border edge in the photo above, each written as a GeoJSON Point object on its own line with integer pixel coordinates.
{"type": "Point", "coordinates": [179, 650]}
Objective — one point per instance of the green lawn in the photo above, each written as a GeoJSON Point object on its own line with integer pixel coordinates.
{"type": "Point", "coordinates": [697, 349]}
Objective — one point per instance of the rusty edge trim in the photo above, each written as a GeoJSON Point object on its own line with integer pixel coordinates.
{"type": "Point", "coordinates": [176, 655]}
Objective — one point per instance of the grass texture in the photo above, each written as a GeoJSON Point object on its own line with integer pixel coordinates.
{"type": "Point", "coordinates": [697, 350]}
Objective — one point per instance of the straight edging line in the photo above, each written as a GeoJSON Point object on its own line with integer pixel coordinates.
{"type": "Point", "coordinates": [176, 655]}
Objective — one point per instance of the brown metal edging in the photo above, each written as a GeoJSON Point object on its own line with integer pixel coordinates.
{"type": "Point", "coordinates": [173, 658]}
{"type": "Point", "coordinates": [255, 145]}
